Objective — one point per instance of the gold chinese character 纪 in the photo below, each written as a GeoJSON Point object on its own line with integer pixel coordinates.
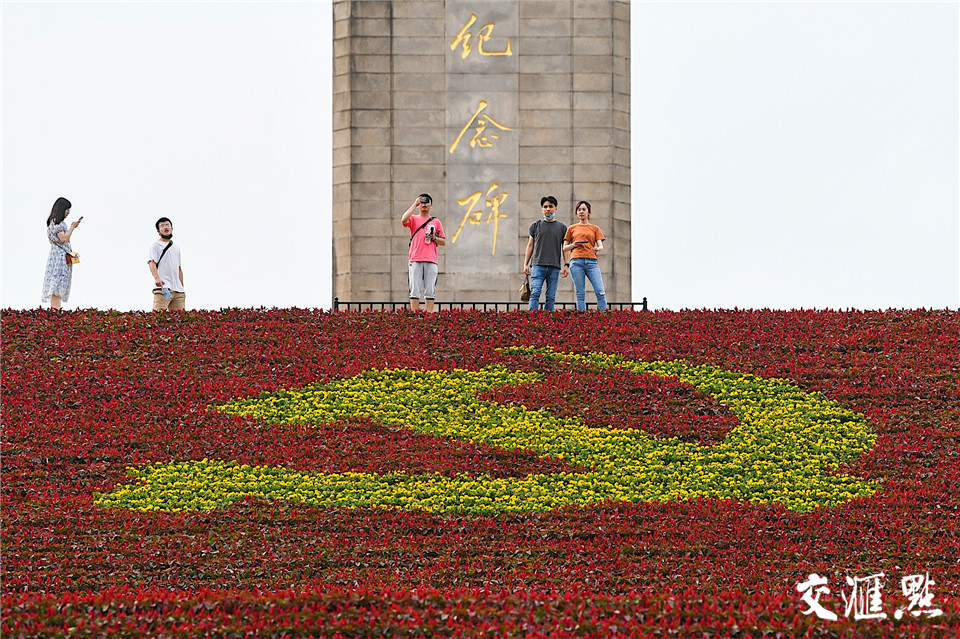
{"type": "Point", "coordinates": [479, 139]}
{"type": "Point", "coordinates": [475, 216]}
{"type": "Point", "coordinates": [463, 39]}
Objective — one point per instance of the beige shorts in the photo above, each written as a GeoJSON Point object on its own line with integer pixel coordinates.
{"type": "Point", "coordinates": [176, 303]}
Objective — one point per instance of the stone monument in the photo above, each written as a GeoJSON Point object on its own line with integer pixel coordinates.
{"type": "Point", "coordinates": [487, 106]}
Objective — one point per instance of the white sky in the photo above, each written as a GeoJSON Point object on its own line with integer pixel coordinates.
{"type": "Point", "coordinates": [785, 154]}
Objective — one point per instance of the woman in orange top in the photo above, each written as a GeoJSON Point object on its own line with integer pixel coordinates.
{"type": "Point", "coordinates": [585, 240]}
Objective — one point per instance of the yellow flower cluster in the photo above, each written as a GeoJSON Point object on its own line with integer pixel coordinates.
{"type": "Point", "coordinates": [781, 450]}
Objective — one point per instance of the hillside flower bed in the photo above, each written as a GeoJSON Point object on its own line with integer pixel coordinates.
{"type": "Point", "coordinates": [294, 472]}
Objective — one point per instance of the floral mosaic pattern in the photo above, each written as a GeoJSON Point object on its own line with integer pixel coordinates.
{"type": "Point", "coordinates": [725, 455]}
{"type": "Point", "coordinates": [785, 439]}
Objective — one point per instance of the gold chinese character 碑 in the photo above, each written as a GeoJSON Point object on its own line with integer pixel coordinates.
{"type": "Point", "coordinates": [475, 216]}
{"type": "Point", "coordinates": [479, 137]}
{"type": "Point", "coordinates": [464, 36]}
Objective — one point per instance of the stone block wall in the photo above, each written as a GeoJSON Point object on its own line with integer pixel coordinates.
{"type": "Point", "coordinates": [487, 106]}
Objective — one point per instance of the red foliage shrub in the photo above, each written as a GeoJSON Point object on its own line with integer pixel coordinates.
{"type": "Point", "coordinates": [87, 394]}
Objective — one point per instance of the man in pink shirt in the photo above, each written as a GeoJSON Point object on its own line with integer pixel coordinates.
{"type": "Point", "coordinates": [426, 234]}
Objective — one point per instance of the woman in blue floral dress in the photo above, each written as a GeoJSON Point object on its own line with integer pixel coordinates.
{"type": "Point", "coordinates": [56, 279]}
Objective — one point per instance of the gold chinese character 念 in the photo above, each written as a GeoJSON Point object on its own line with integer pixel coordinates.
{"type": "Point", "coordinates": [475, 216]}
{"type": "Point", "coordinates": [463, 39]}
{"type": "Point", "coordinates": [479, 138]}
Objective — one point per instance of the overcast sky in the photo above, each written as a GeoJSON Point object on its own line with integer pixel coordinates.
{"type": "Point", "coordinates": [785, 154]}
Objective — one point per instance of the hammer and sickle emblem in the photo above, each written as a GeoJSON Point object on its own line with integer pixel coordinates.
{"type": "Point", "coordinates": [783, 450]}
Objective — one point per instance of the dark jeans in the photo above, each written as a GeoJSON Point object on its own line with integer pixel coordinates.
{"type": "Point", "coordinates": [540, 276]}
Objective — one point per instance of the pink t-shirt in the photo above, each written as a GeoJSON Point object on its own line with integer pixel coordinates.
{"type": "Point", "coordinates": [420, 249]}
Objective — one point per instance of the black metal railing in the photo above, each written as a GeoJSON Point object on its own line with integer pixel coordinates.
{"type": "Point", "coordinates": [479, 306]}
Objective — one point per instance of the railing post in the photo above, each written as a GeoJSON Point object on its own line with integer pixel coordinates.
{"type": "Point", "coordinates": [508, 305]}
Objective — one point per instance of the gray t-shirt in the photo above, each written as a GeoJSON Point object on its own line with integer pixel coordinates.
{"type": "Point", "coordinates": [547, 243]}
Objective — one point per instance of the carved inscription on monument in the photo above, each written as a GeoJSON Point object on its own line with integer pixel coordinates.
{"type": "Point", "coordinates": [482, 113]}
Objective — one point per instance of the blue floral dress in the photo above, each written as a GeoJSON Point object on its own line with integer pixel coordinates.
{"type": "Point", "coordinates": [57, 277]}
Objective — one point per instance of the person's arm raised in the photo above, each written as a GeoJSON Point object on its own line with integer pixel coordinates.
{"type": "Point", "coordinates": [406, 214]}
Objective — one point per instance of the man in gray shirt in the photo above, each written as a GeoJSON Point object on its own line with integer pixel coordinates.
{"type": "Point", "coordinates": [545, 261]}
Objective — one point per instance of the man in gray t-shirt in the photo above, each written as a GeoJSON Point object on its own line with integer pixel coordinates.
{"type": "Point", "coordinates": [545, 261]}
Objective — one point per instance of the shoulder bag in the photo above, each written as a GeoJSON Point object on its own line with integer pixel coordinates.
{"type": "Point", "coordinates": [72, 257]}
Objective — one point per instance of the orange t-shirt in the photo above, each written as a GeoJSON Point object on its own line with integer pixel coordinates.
{"type": "Point", "coordinates": [588, 233]}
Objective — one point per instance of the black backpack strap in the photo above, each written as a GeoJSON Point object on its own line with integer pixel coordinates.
{"type": "Point", "coordinates": [414, 234]}
{"type": "Point", "coordinates": [165, 249]}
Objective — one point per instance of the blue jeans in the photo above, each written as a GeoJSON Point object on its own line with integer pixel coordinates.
{"type": "Point", "coordinates": [540, 275]}
{"type": "Point", "coordinates": [584, 267]}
